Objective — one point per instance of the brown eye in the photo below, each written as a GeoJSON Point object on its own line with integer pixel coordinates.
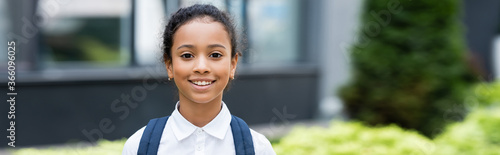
{"type": "Point", "coordinates": [187, 55]}
{"type": "Point", "coordinates": [215, 55]}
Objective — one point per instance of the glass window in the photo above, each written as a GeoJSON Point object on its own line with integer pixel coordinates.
{"type": "Point", "coordinates": [272, 28]}
{"type": "Point", "coordinates": [87, 33]}
{"type": "Point", "coordinates": [273, 31]}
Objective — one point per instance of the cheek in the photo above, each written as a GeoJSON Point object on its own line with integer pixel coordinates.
{"type": "Point", "coordinates": [224, 69]}
{"type": "Point", "coordinates": [180, 68]}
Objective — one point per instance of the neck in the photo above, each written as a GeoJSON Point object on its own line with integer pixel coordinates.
{"type": "Point", "coordinates": [199, 114]}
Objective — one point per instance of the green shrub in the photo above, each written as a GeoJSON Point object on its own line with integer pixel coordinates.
{"type": "Point", "coordinates": [409, 68]}
{"type": "Point", "coordinates": [477, 134]}
{"type": "Point", "coordinates": [103, 147]}
{"type": "Point", "coordinates": [351, 138]}
{"type": "Point", "coordinates": [486, 94]}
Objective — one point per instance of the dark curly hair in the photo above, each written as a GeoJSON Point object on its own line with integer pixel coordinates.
{"type": "Point", "coordinates": [197, 11]}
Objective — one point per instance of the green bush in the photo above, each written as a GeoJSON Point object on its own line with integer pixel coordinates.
{"type": "Point", "coordinates": [103, 147]}
{"type": "Point", "coordinates": [478, 134]}
{"type": "Point", "coordinates": [486, 95]}
{"type": "Point", "coordinates": [350, 138]}
{"type": "Point", "coordinates": [409, 65]}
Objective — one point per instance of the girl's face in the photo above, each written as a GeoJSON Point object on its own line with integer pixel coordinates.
{"type": "Point", "coordinates": [201, 61]}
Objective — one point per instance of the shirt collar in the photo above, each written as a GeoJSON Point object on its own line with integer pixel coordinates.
{"type": "Point", "coordinates": [220, 124]}
{"type": "Point", "coordinates": [218, 127]}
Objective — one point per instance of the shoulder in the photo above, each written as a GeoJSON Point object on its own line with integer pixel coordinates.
{"type": "Point", "coordinates": [132, 144]}
{"type": "Point", "coordinates": [261, 145]}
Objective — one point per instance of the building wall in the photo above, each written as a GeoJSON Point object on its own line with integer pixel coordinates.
{"type": "Point", "coordinates": [481, 23]}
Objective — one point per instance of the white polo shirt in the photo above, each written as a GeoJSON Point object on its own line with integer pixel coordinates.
{"type": "Point", "coordinates": [181, 137]}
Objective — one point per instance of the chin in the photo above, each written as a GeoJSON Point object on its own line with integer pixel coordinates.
{"type": "Point", "coordinates": [202, 99]}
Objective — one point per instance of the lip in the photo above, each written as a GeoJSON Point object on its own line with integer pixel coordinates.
{"type": "Point", "coordinates": [201, 88]}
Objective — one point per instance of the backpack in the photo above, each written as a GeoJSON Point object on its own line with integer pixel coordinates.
{"type": "Point", "coordinates": [150, 139]}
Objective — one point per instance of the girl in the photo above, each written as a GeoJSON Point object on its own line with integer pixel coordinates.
{"type": "Point", "coordinates": [199, 51]}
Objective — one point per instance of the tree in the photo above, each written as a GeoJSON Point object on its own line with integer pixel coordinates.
{"type": "Point", "coordinates": [408, 66]}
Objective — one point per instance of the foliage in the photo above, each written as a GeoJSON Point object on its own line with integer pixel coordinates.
{"type": "Point", "coordinates": [409, 65]}
{"type": "Point", "coordinates": [351, 138]}
{"type": "Point", "coordinates": [95, 50]}
{"type": "Point", "coordinates": [476, 135]}
{"type": "Point", "coordinates": [486, 94]}
{"type": "Point", "coordinates": [103, 147]}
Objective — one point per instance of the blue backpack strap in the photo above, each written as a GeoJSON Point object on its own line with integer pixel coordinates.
{"type": "Point", "coordinates": [150, 140]}
{"type": "Point", "coordinates": [243, 143]}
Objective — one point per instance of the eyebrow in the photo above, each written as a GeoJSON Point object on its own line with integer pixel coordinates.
{"type": "Point", "coordinates": [209, 46]}
{"type": "Point", "coordinates": [216, 45]}
{"type": "Point", "coordinates": [185, 45]}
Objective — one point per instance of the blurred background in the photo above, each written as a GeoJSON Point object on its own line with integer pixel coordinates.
{"type": "Point", "coordinates": [91, 69]}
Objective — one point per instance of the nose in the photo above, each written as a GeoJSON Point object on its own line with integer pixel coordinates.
{"type": "Point", "coordinates": [201, 66]}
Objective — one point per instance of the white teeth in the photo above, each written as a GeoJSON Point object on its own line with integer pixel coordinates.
{"type": "Point", "coordinates": [202, 83]}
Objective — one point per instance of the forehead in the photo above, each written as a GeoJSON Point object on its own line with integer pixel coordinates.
{"type": "Point", "coordinates": [201, 31]}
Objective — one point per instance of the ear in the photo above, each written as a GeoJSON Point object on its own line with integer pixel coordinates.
{"type": "Point", "coordinates": [170, 69]}
{"type": "Point", "coordinates": [234, 63]}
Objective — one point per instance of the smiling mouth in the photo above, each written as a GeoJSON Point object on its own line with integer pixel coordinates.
{"type": "Point", "coordinates": [202, 83]}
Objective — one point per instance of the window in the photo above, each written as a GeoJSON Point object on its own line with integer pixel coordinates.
{"type": "Point", "coordinates": [87, 33]}
{"type": "Point", "coordinates": [273, 29]}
